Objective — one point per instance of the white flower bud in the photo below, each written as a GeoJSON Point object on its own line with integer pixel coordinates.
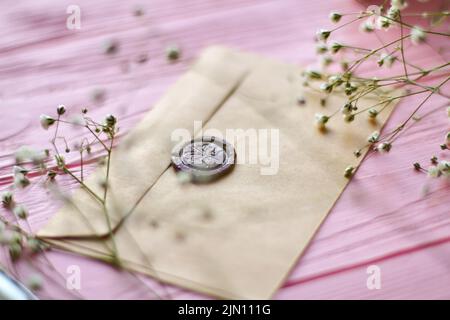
{"type": "Point", "coordinates": [323, 34]}
{"type": "Point", "coordinates": [21, 181]}
{"type": "Point", "coordinates": [172, 52]}
{"type": "Point", "coordinates": [7, 199]}
{"type": "Point", "coordinates": [34, 245]}
{"type": "Point", "coordinates": [335, 17]}
{"type": "Point", "coordinates": [373, 137]}
{"type": "Point", "coordinates": [418, 35]}
{"type": "Point", "coordinates": [19, 170]}
{"type": "Point", "coordinates": [321, 48]}
{"type": "Point", "coordinates": [349, 172]}
{"type": "Point", "coordinates": [15, 250]}
{"type": "Point", "coordinates": [384, 147]}
{"type": "Point", "coordinates": [335, 47]}
{"type": "Point", "coordinates": [433, 172]}
{"type": "Point", "coordinates": [373, 113]}
{"type": "Point", "coordinates": [383, 23]}
{"type": "Point", "coordinates": [444, 167]}
{"type": "Point", "coordinates": [61, 109]}
{"type": "Point", "coordinates": [393, 13]}
{"type": "Point", "coordinates": [312, 74]}
{"type": "Point", "coordinates": [34, 282]}
{"type": "Point", "coordinates": [349, 117]}
{"type": "Point", "coordinates": [110, 120]}
{"type": "Point", "coordinates": [347, 108]}
{"type": "Point", "coordinates": [46, 121]}
{"type": "Point", "coordinates": [321, 120]}
{"type": "Point", "coordinates": [399, 4]}
{"type": "Point", "coordinates": [326, 87]}
{"type": "Point", "coordinates": [21, 212]}
{"type": "Point", "coordinates": [367, 26]}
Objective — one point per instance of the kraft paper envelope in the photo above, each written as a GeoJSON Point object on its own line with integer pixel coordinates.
{"type": "Point", "coordinates": [239, 236]}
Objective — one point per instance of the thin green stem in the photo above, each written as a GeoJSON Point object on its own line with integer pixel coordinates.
{"type": "Point", "coordinates": [390, 100]}
{"type": "Point", "coordinates": [372, 52]}
{"type": "Point", "coordinates": [411, 26]}
{"type": "Point", "coordinates": [402, 49]}
{"type": "Point", "coordinates": [417, 109]}
{"type": "Point", "coordinates": [105, 193]}
{"type": "Point", "coordinates": [89, 190]}
{"type": "Point", "coordinates": [98, 138]}
{"type": "Point", "coordinates": [349, 22]}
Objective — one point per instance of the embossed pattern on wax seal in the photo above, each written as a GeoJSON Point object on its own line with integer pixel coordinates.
{"type": "Point", "coordinates": [204, 159]}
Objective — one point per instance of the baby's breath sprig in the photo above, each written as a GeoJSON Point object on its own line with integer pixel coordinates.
{"type": "Point", "coordinates": [389, 17]}
{"type": "Point", "coordinates": [107, 129]}
{"type": "Point", "coordinates": [12, 235]}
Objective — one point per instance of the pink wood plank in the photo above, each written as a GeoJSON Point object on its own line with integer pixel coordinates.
{"type": "Point", "coordinates": [382, 217]}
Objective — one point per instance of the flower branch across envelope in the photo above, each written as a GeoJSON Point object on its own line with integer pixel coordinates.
{"type": "Point", "coordinates": [222, 185]}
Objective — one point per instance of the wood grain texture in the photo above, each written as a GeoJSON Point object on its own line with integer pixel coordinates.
{"type": "Point", "coordinates": [382, 217]}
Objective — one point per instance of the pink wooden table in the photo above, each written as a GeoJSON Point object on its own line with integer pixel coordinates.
{"type": "Point", "coordinates": [381, 219]}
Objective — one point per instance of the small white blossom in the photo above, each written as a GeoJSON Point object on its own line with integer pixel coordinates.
{"type": "Point", "coordinates": [349, 117]}
{"type": "Point", "coordinates": [335, 17]}
{"type": "Point", "coordinates": [20, 211]}
{"type": "Point", "coordinates": [61, 109]}
{"type": "Point", "coordinates": [15, 250]}
{"type": "Point", "coordinates": [444, 167]}
{"type": "Point", "coordinates": [326, 87]}
{"type": "Point", "coordinates": [321, 120]}
{"type": "Point", "coordinates": [15, 237]}
{"type": "Point", "coordinates": [19, 170]}
{"type": "Point", "coordinates": [335, 80]}
{"type": "Point", "coordinates": [373, 137]}
{"type": "Point", "coordinates": [335, 47]}
{"type": "Point", "coordinates": [21, 181]}
{"type": "Point", "coordinates": [349, 172]}
{"type": "Point", "coordinates": [313, 74]}
{"type": "Point", "coordinates": [323, 34]}
{"type": "Point", "coordinates": [383, 23]}
{"type": "Point", "coordinates": [7, 199]}
{"type": "Point", "coordinates": [347, 109]}
{"type": "Point", "coordinates": [399, 4]}
{"type": "Point", "coordinates": [326, 61]}
{"type": "Point", "coordinates": [172, 52]}
{"type": "Point", "coordinates": [374, 9]}
{"type": "Point", "coordinates": [418, 35]}
{"type": "Point", "coordinates": [46, 121]}
{"type": "Point", "coordinates": [60, 161]}
{"type": "Point", "coordinates": [433, 172]}
{"type": "Point", "coordinates": [110, 120]}
{"type": "Point", "coordinates": [34, 282]}
{"type": "Point", "coordinates": [321, 48]}
{"type": "Point", "coordinates": [26, 153]}
{"type": "Point", "coordinates": [110, 46]}
{"type": "Point", "coordinates": [34, 245]}
{"type": "Point", "coordinates": [384, 147]}
{"type": "Point", "coordinates": [386, 60]}
{"type": "Point", "coordinates": [373, 113]}
{"type": "Point", "coordinates": [367, 26]}
{"type": "Point", "coordinates": [393, 13]}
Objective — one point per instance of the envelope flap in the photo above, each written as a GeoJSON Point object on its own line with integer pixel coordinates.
{"type": "Point", "coordinates": [144, 154]}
